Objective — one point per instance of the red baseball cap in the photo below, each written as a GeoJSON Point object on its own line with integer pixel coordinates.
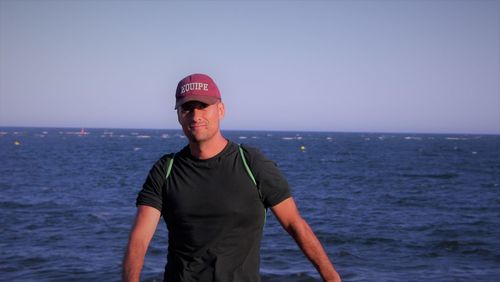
{"type": "Point", "coordinates": [197, 87]}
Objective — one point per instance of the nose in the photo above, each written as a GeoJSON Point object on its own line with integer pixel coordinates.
{"type": "Point", "coordinates": [196, 114]}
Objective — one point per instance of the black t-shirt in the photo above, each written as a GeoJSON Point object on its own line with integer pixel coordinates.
{"type": "Point", "coordinates": [213, 212]}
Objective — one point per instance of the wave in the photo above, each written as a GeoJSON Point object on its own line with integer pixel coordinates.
{"type": "Point", "coordinates": [292, 138]}
{"type": "Point", "coordinates": [435, 176]}
{"type": "Point", "coordinates": [462, 247]}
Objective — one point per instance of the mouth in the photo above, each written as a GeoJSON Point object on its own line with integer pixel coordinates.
{"type": "Point", "coordinates": [196, 126]}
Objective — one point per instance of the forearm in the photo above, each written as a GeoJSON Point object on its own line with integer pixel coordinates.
{"type": "Point", "coordinates": [313, 250]}
{"type": "Point", "coordinates": [140, 236]}
{"type": "Point", "coordinates": [133, 261]}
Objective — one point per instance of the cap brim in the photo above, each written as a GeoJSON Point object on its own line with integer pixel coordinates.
{"type": "Point", "coordinates": [204, 99]}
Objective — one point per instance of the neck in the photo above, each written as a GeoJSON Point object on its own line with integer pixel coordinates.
{"type": "Point", "coordinates": [207, 149]}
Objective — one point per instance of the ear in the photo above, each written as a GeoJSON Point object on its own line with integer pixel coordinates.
{"type": "Point", "coordinates": [221, 109]}
{"type": "Point", "coordinates": [179, 116]}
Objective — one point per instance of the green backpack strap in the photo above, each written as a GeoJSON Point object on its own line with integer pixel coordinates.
{"type": "Point", "coordinates": [170, 163]}
{"type": "Point", "coordinates": [250, 174]}
{"type": "Point", "coordinates": [247, 168]}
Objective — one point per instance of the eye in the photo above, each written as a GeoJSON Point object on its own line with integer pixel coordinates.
{"type": "Point", "coordinates": [190, 106]}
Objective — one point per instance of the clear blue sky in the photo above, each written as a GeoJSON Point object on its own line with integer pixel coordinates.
{"type": "Point", "coordinates": [386, 66]}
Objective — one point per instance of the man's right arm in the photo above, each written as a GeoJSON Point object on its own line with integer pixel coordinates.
{"type": "Point", "coordinates": [143, 230]}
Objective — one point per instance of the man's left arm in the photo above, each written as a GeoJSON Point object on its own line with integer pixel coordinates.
{"type": "Point", "coordinates": [288, 215]}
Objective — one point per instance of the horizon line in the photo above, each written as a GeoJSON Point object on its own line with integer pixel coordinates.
{"type": "Point", "coordinates": [258, 130]}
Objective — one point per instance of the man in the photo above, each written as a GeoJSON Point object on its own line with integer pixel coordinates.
{"type": "Point", "coordinates": [213, 210]}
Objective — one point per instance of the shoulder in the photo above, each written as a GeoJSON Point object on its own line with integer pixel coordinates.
{"type": "Point", "coordinates": [160, 166]}
{"type": "Point", "coordinates": [172, 156]}
{"type": "Point", "coordinates": [257, 160]}
{"type": "Point", "coordinates": [164, 159]}
{"type": "Point", "coordinates": [271, 182]}
{"type": "Point", "coordinates": [253, 154]}
{"type": "Point", "coordinates": [248, 148]}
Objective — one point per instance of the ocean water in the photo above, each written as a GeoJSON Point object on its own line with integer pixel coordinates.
{"type": "Point", "coordinates": [387, 207]}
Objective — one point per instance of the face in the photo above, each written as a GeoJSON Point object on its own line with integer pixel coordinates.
{"type": "Point", "coordinates": [200, 121]}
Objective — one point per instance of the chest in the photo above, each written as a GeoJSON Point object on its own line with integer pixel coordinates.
{"type": "Point", "coordinates": [218, 193]}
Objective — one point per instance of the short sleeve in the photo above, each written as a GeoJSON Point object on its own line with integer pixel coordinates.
{"type": "Point", "coordinates": [151, 193]}
{"type": "Point", "coordinates": [271, 182]}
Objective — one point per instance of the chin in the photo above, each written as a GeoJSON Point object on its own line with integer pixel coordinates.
{"type": "Point", "coordinates": [195, 137]}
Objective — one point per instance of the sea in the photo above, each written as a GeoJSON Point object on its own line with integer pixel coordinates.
{"type": "Point", "coordinates": [386, 207]}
